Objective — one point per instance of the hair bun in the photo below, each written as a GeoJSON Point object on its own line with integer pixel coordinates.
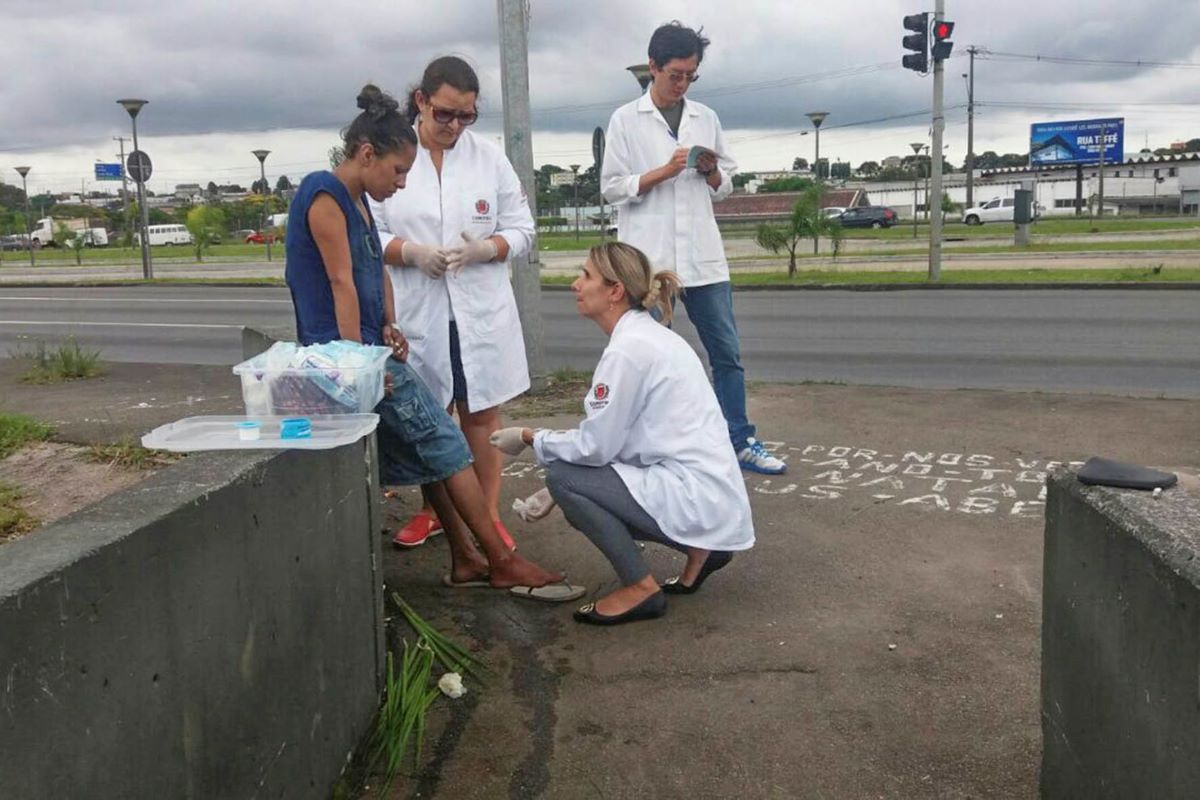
{"type": "Point", "coordinates": [651, 298]}
{"type": "Point", "coordinates": [376, 102]}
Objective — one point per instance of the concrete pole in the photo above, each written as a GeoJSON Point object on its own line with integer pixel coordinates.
{"type": "Point", "coordinates": [939, 124]}
{"type": "Point", "coordinates": [1103, 146]}
{"type": "Point", "coordinates": [28, 222]}
{"type": "Point", "coordinates": [971, 129]}
{"type": "Point", "coordinates": [514, 80]}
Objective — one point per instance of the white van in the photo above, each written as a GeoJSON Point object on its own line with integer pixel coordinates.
{"type": "Point", "coordinates": [165, 235]}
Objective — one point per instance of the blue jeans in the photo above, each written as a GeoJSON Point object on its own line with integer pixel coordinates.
{"type": "Point", "coordinates": [418, 441]}
{"type": "Point", "coordinates": [710, 308]}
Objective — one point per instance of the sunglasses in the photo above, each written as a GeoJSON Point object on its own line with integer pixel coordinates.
{"type": "Point", "coordinates": [444, 116]}
{"type": "Point", "coordinates": [680, 77]}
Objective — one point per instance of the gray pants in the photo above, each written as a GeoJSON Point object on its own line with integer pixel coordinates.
{"type": "Point", "coordinates": [596, 502]}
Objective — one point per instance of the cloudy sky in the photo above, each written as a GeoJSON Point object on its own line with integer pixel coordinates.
{"type": "Point", "coordinates": [225, 78]}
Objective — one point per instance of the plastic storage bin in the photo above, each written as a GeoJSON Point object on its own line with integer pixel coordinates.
{"type": "Point", "coordinates": [270, 388]}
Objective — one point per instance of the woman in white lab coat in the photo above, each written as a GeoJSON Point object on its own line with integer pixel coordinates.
{"type": "Point", "coordinates": [652, 459]}
{"type": "Point", "coordinates": [447, 240]}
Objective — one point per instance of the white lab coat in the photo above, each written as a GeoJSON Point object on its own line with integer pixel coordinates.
{"type": "Point", "coordinates": [652, 415]}
{"type": "Point", "coordinates": [479, 193]}
{"type": "Point", "coordinates": [673, 223]}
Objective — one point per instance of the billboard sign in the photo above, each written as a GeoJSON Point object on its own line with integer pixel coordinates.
{"type": "Point", "coordinates": [1077, 142]}
{"type": "Point", "coordinates": [562, 179]}
{"type": "Point", "coordinates": [108, 172]}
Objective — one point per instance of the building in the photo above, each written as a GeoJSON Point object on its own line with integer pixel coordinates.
{"type": "Point", "coordinates": [752, 208]}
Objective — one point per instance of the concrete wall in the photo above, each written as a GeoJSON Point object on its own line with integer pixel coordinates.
{"type": "Point", "coordinates": [214, 632]}
{"type": "Point", "coordinates": [1120, 643]}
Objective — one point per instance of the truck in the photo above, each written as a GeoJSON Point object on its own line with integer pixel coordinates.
{"type": "Point", "coordinates": [42, 234]}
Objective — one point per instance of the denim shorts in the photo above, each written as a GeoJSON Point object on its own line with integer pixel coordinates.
{"type": "Point", "coordinates": [456, 367]}
{"type": "Point", "coordinates": [418, 441]}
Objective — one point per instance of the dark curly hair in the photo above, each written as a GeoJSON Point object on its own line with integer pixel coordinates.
{"type": "Point", "coordinates": [380, 124]}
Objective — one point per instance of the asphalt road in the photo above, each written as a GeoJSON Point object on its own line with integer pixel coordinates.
{"type": "Point", "coordinates": [1130, 342]}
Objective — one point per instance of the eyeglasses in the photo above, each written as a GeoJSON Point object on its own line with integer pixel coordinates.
{"type": "Point", "coordinates": [444, 116]}
{"type": "Point", "coordinates": [680, 77]}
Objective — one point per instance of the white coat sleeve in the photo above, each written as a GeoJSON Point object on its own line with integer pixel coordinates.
{"type": "Point", "coordinates": [618, 179]}
{"type": "Point", "coordinates": [726, 166]}
{"type": "Point", "coordinates": [612, 404]}
{"type": "Point", "coordinates": [379, 212]}
{"type": "Point", "coordinates": [513, 219]}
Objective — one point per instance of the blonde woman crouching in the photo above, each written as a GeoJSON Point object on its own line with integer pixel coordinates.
{"type": "Point", "coordinates": [652, 460]}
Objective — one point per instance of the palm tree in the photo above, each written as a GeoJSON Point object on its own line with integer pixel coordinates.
{"type": "Point", "coordinates": [807, 221]}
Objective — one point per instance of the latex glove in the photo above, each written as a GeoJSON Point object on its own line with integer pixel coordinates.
{"type": "Point", "coordinates": [430, 260]}
{"type": "Point", "coordinates": [509, 440]}
{"type": "Point", "coordinates": [534, 507]}
{"type": "Point", "coordinates": [473, 251]}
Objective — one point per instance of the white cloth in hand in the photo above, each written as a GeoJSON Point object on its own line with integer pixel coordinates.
{"type": "Point", "coordinates": [430, 260]}
{"type": "Point", "coordinates": [473, 251]}
{"type": "Point", "coordinates": [534, 507]}
{"type": "Point", "coordinates": [508, 440]}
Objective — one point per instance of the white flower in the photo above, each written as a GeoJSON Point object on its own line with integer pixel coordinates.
{"type": "Point", "coordinates": [451, 685]}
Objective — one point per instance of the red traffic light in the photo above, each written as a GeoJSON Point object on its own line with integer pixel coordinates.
{"type": "Point", "coordinates": [942, 30]}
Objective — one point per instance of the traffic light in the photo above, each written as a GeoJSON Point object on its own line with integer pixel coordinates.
{"type": "Point", "coordinates": [918, 42]}
{"type": "Point", "coordinates": [941, 40]}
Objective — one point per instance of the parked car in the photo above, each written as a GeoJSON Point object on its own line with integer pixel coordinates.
{"type": "Point", "coordinates": [995, 210]}
{"type": "Point", "coordinates": [259, 238]}
{"type": "Point", "coordinates": [14, 243]}
{"type": "Point", "coordinates": [868, 217]}
{"type": "Point", "coordinates": [833, 211]}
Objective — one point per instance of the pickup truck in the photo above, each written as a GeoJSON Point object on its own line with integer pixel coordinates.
{"type": "Point", "coordinates": [995, 210]}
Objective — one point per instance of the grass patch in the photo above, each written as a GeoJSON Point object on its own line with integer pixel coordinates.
{"type": "Point", "coordinates": [1014, 276]}
{"type": "Point", "coordinates": [562, 394]}
{"type": "Point", "coordinates": [66, 362]}
{"type": "Point", "coordinates": [127, 455]}
{"type": "Point", "coordinates": [17, 430]}
{"type": "Point", "coordinates": [14, 520]}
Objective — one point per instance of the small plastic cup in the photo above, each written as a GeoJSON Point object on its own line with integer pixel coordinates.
{"type": "Point", "coordinates": [249, 431]}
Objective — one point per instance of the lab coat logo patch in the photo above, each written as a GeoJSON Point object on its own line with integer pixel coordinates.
{"type": "Point", "coordinates": [600, 395]}
{"type": "Point", "coordinates": [482, 207]}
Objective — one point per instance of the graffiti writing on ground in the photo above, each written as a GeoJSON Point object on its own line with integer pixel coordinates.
{"type": "Point", "coordinates": [965, 483]}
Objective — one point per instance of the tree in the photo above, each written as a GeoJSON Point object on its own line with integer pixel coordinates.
{"type": "Point", "coordinates": [868, 169]}
{"type": "Point", "coordinates": [793, 184]}
{"type": "Point", "coordinates": [65, 237]}
{"type": "Point", "coordinates": [742, 178]}
{"type": "Point", "coordinates": [841, 170]}
{"type": "Point", "coordinates": [807, 221]}
{"type": "Point", "coordinates": [799, 164]}
{"type": "Point", "coordinates": [282, 185]}
{"type": "Point", "coordinates": [948, 205]}
{"type": "Point", "coordinates": [205, 224]}
{"type": "Point", "coordinates": [260, 186]}
{"type": "Point", "coordinates": [212, 190]}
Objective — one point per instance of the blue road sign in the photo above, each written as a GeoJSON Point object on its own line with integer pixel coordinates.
{"type": "Point", "coordinates": [108, 172]}
{"type": "Point", "coordinates": [1077, 141]}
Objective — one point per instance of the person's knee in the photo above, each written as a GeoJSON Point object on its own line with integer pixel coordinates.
{"type": "Point", "coordinates": [556, 481]}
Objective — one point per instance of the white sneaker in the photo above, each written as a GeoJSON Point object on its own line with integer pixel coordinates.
{"type": "Point", "coordinates": [756, 459]}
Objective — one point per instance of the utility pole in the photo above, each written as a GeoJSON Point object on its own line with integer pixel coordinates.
{"type": "Point", "coordinates": [1103, 145]}
{"type": "Point", "coordinates": [916, 148]}
{"type": "Point", "coordinates": [124, 182]}
{"type": "Point", "coordinates": [971, 128]}
{"type": "Point", "coordinates": [514, 83]}
{"type": "Point", "coordinates": [939, 124]}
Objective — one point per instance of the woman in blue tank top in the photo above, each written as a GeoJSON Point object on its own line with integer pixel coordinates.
{"type": "Point", "coordinates": [339, 291]}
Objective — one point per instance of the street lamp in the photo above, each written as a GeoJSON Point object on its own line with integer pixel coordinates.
{"type": "Point", "coordinates": [28, 235]}
{"type": "Point", "coordinates": [642, 73]}
{"type": "Point", "coordinates": [575, 184]}
{"type": "Point", "coordinates": [916, 148]}
{"type": "Point", "coordinates": [261, 155]}
{"type": "Point", "coordinates": [133, 106]}
{"type": "Point", "coordinates": [817, 118]}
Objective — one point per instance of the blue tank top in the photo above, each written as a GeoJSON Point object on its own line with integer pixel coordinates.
{"type": "Point", "coordinates": [312, 295]}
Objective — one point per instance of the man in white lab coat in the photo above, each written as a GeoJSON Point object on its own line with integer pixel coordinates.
{"type": "Point", "coordinates": [665, 163]}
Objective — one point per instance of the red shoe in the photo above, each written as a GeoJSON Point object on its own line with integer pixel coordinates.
{"type": "Point", "coordinates": [423, 525]}
{"type": "Point", "coordinates": [504, 535]}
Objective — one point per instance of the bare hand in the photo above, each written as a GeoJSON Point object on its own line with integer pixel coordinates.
{"type": "Point", "coordinates": [678, 162]}
{"type": "Point", "coordinates": [394, 338]}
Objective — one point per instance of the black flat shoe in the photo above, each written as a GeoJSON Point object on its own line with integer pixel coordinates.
{"type": "Point", "coordinates": [716, 559]}
{"type": "Point", "coordinates": [652, 607]}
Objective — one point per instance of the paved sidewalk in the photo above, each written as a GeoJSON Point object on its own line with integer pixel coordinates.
{"type": "Point", "coordinates": [908, 518]}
